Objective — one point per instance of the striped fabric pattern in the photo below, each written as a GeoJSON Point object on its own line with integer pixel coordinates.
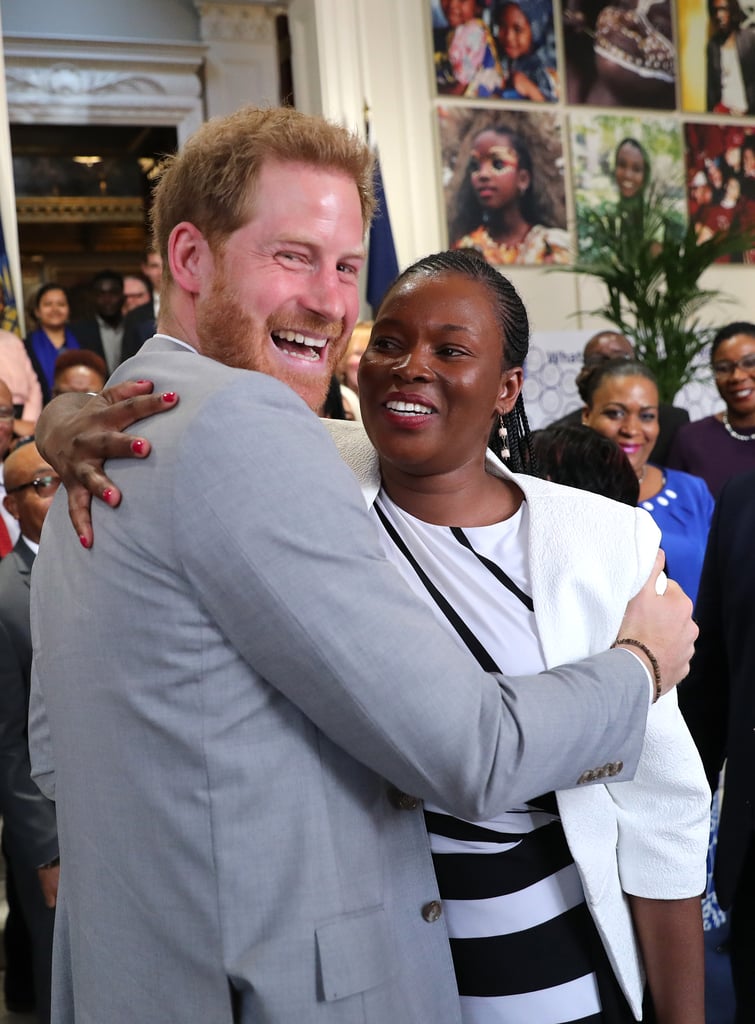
{"type": "Point", "coordinates": [522, 939]}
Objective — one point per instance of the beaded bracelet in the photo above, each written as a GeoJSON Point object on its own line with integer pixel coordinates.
{"type": "Point", "coordinates": [651, 658]}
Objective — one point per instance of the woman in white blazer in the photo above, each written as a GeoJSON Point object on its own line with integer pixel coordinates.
{"type": "Point", "coordinates": [539, 575]}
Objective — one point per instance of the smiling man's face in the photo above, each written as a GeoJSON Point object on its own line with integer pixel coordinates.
{"type": "Point", "coordinates": [283, 295]}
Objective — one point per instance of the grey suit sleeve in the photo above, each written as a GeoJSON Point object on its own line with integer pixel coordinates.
{"type": "Point", "coordinates": [273, 533]}
{"type": "Point", "coordinates": [28, 817]}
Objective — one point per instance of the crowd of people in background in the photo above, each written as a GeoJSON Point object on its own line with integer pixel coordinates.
{"type": "Point", "coordinates": [444, 354]}
{"type": "Point", "coordinates": [57, 356]}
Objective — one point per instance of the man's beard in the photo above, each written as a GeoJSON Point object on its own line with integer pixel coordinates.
{"type": "Point", "coordinates": [230, 335]}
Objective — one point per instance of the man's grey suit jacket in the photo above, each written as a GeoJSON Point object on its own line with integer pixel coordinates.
{"type": "Point", "coordinates": [230, 676]}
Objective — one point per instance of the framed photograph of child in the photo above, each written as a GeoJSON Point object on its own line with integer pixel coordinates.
{"type": "Point", "coordinates": [495, 48]}
{"type": "Point", "coordinates": [503, 184]}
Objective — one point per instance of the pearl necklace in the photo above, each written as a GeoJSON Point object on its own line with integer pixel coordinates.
{"type": "Point", "coordinates": [733, 432]}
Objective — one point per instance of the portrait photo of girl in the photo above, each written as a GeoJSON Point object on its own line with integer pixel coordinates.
{"type": "Point", "coordinates": [625, 167]}
{"type": "Point", "coordinates": [527, 50]}
{"type": "Point", "coordinates": [503, 183]}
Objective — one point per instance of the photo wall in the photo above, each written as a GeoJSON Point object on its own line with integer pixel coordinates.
{"type": "Point", "coordinates": [550, 112]}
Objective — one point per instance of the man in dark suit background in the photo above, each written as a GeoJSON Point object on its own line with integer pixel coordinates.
{"type": "Point", "coordinates": [103, 332]}
{"type": "Point", "coordinates": [607, 345]}
{"type": "Point", "coordinates": [140, 321]}
{"type": "Point", "coordinates": [29, 829]}
{"type": "Point", "coordinates": [718, 702]}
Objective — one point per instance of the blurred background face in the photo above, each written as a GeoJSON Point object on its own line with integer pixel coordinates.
{"type": "Point", "coordinates": [494, 171]}
{"type": "Point", "coordinates": [736, 383]}
{"type": "Point", "coordinates": [6, 418]}
{"type": "Point", "coordinates": [626, 410]}
{"type": "Point", "coordinates": [721, 15]}
{"type": "Point", "coordinates": [630, 171]}
{"type": "Point", "coordinates": [606, 346]}
{"type": "Point", "coordinates": [52, 309]}
{"type": "Point", "coordinates": [30, 504]}
{"type": "Point", "coordinates": [135, 293]}
{"type": "Point", "coordinates": [152, 267]}
{"type": "Point", "coordinates": [349, 365]}
{"type": "Point", "coordinates": [458, 12]}
{"type": "Point", "coordinates": [107, 296]}
{"type": "Point", "coordinates": [514, 33]}
{"type": "Point", "coordinates": [78, 378]}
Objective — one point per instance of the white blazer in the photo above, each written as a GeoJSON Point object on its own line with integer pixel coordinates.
{"type": "Point", "coordinates": [648, 837]}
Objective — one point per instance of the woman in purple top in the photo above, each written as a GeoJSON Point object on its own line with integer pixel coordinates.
{"type": "Point", "coordinates": [720, 446]}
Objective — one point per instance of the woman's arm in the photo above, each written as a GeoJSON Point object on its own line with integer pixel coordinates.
{"type": "Point", "coordinates": [76, 433]}
{"type": "Point", "coordinates": [670, 934]}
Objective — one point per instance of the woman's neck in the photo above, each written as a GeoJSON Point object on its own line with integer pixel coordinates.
{"type": "Point", "coordinates": [740, 419]}
{"type": "Point", "coordinates": [57, 335]}
{"type": "Point", "coordinates": [507, 225]}
{"type": "Point", "coordinates": [651, 481]}
{"type": "Point", "coordinates": [467, 496]}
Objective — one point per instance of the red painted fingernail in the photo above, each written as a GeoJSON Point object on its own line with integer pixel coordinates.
{"type": "Point", "coordinates": [84, 541]}
{"type": "Point", "coordinates": [107, 494]}
{"type": "Point", "coordinates": [138, 446]}
{"type": "Point", "coordinates": [142, 382]}
{"type": "Point", "coordinates": [169, 396]}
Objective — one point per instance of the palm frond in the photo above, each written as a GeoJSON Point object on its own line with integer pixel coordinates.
{"type": "Point", "coordinates": [650, 265]}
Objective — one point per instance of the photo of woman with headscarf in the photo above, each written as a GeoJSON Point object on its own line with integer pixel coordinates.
{"type": "Point", "coordinates": [623, 166]}
{"type": "Point", "coordinates": [527, 50]}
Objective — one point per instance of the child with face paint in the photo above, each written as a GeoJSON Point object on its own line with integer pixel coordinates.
{"type": "Point", "coordinates": [527, 49]}
{"type": "Point", "coordinates": [499, 187]}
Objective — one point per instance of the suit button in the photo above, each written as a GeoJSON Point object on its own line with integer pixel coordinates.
{"type": "Point", "coordinates": [588, 776]}
{"type": "Point", "coordinates": [402, 801]}
{"type": "Point", "coordinates": [615, 768]}
{"type": "Point", "coordinates": [432, 911]}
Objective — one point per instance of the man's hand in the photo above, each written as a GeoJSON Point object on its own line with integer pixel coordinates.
{"type": "Point", "coordinates": [664, 624]}
{"type": "Point", "coordinates": [48, 880]}
{"type": "Point", "coordinates": [76, 433]}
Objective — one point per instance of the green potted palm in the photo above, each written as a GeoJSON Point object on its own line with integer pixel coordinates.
{"type": "Point", "coordinates": [650, 265]}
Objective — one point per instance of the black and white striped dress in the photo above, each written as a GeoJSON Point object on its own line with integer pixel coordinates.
{"type": "Point", "coordinates": [524, 945]}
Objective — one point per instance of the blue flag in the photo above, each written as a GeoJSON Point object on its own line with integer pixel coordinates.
{"type": "Point", "coordinates": [382, 265]}
{"type": "Point", "coordinates": [9, 316]}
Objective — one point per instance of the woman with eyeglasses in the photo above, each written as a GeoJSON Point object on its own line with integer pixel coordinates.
{"type": "Point", "coordinates": [721, 446]}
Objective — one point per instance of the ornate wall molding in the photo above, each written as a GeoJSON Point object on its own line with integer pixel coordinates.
{"type": "Point", "coordinates": [100, 81]}
{"type": "Point", "coordinates": [78, 209]}
{"type": "Point", "coordinates": [67, 79]}
{"type": "Point", "coordinates": [233, 23]}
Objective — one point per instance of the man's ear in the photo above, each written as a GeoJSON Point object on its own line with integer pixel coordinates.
{"type": "Point", "coordinates": [10, 503]}
{"type": "Point", "coordinates": [511, 385]}
{"type": "Point", "coordinates": [188, 256]}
